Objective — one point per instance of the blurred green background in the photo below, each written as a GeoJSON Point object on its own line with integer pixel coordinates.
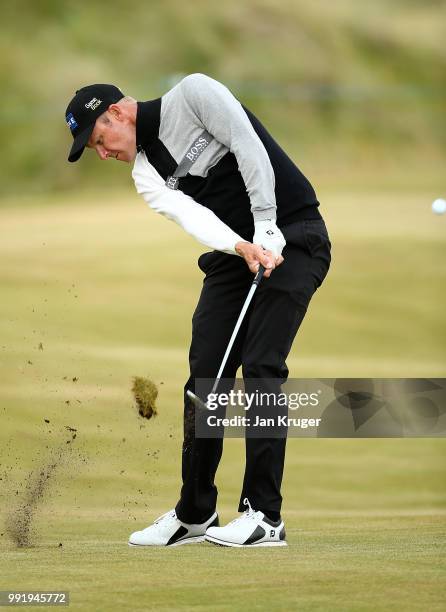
{"type": "Point", "coordinates": [96, 289]}
{"type": "Point", "coordinates": [353, 89]}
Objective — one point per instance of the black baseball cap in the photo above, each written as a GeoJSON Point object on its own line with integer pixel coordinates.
{"type": "Point", "coordinates": [87, 105]}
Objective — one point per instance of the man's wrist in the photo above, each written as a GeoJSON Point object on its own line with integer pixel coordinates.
{"type": "Point", "coordinates": [239, 247]}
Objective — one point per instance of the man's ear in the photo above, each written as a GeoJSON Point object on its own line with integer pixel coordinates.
{"type": "Point", "coordinates": [116, 111]}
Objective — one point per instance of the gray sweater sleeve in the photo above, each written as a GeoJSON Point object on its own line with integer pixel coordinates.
{"type": "Point", "coordinates": [222, 115]}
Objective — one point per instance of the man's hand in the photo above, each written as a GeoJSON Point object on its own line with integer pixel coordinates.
{"type": "Point", "coordinates": [269, 236]}
{"type": "Point", "coordinates": [254, 255]}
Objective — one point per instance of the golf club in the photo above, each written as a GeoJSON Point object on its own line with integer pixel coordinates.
{"type": "Point", "coordinates": [194, 398]}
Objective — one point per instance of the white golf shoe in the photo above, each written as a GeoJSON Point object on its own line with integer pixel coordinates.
{"type": "Point", "coordinates": [168, 530]}
{"type": "Point", "coordinates": [250, 529]}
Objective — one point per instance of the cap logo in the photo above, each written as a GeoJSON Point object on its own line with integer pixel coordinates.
{"type": "Point", "coordinates": [71, 122]}
{"type": "Point", "coordinates": [93, 104]}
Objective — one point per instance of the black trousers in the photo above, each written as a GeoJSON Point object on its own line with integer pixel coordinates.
{"type": "Point", "coordinates": [261, 348]}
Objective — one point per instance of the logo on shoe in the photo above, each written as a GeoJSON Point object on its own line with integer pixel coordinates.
{"type": "Point", "coordinates": [272, 533]}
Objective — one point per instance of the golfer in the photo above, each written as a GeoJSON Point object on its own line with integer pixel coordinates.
{"type": "Point", "coordinates": [203, 160]}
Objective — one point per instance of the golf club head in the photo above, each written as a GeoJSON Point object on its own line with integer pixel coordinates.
{"type": "Point", "coordinates": [198, 403]}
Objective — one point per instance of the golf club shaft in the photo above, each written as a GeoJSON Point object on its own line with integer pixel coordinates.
{"type": "Point", "coordinates": [255, 283]}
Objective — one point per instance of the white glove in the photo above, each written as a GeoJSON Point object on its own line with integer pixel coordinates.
{"type": "Point", "coordinates": [269, 236]}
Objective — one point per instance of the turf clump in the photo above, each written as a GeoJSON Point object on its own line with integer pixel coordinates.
{"type": "Point", "coordinates": [145, 393]}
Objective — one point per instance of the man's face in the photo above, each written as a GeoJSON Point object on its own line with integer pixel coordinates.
{"type": "Point", "coordinates": [114, 135]}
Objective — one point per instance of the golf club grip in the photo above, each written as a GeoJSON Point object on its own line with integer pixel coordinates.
{"type": "Point", "coordinates": [258, 276]}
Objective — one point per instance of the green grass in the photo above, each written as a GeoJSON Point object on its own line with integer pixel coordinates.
{"type": "Point", "coordinates": [347, 563]}
{"type": "Point", "coordinates": [108, 288]}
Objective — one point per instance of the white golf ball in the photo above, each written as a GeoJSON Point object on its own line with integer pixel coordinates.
{"type": "Point", "coordinates": [439, 206]}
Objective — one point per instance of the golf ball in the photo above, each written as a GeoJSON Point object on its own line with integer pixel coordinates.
{"type": "Point", "coordinates": [439, 206]}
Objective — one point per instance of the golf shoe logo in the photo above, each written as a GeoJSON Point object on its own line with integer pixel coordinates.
{"type": "Point", "coordinates": [272, 533]}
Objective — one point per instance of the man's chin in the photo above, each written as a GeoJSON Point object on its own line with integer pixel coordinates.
{"type": "Point", "coordinates": [127, 158]}
{"type": "Point", "coordinates": [130, 157]}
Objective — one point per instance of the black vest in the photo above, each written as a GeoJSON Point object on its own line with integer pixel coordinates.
{"type": "Point", "coordinates": [223, 191]}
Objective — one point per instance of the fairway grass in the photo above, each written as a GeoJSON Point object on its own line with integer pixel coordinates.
{"type": "Point", "coordinates": [98, 290]}
{"type": "Point", "coordinates": [358, 562]}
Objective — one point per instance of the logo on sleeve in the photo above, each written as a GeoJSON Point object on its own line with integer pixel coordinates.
{"type": "Point", "coordinates": [172, 182]}
{"type": "Point", "coordinates": [197, 148]}
{"type": "Point", "coordinates": [71, 121]}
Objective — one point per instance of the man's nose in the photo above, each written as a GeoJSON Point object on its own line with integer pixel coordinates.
{"type": "Point", "coordinates": [103, 153]}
